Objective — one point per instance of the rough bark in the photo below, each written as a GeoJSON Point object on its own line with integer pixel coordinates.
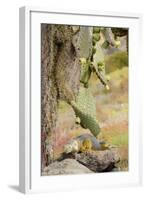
{"type": "Point", "coordinates": [61, 48]}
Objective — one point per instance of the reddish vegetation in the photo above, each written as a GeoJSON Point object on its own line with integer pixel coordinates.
{"type": "Point", "coordinates": [61, 137]}
{"type": "Point", "coordinates": [115, 127]}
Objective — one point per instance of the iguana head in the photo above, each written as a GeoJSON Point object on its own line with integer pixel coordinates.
{"type": "Point", "coordinates": [117, 43]}
{"type": "Point", "coordinates": [71, 147]}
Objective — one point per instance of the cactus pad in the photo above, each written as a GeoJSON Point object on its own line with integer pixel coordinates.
{"type": "Point", "coordinates": [85, 109]}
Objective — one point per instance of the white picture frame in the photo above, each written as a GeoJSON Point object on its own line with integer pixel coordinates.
{"type": "Point", "coordinates": [30, 177]}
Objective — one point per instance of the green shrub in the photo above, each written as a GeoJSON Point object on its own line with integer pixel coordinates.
{"type": "Point", "coordinates": [115, 61]}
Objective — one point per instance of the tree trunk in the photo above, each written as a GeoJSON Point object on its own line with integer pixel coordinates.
{"type": "Point", "coordinates": [61, 48]}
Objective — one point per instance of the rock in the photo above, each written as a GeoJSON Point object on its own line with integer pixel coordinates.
{"type": "Point", "coordinates": [67, 166]}
{"type": "Point", "coordinates": [99, 161]}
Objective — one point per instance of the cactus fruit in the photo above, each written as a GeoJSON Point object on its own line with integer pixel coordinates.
{"type": "Point", "coordinates": [108, 77]}
{"type": "Point", "coordinates": [107, 87]}
{"type": "Point", "coordinates": [101, 66]}
{"type": "Point", "coordinates": [93, 42]}
{"type": "Point", "coordinates": [82, 61]}
{"type": "Point", "coordinates": [93, 50]}
{"type": "Point", "coordinates": [105, 44]}
{"type": "Point", "coordinates": [96, 30]}
{"type": "Point", "coordinates": [117, 43]}
{"type": "Point", "coordinates": [78, 121]}
{"type": "Point", "coordinates": [85, 71]}
{"type": "Point", "coordinates": [96, 37]}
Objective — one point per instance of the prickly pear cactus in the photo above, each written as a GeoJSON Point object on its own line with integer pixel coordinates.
{"type": "Point", "coordinates": [74, 42]}
{"type": "Point", "coordinates": [85, 41]}
{"type": "Point", "coordinates": [85, 72]}
{"type": "Point", "coordinates": [85, 109]}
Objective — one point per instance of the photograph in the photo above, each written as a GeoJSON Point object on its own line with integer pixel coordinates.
{"type": "Point", "coordinates": [84, 99]}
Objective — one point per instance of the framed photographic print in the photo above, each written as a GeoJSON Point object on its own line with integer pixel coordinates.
{"type": "Point", "coordinates": [79, 100]}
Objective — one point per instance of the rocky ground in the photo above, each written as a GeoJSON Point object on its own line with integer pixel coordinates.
{"type": "Point", "coordinates": [112, 114]}
{"type": "Point", "coordinates": [87, 162]}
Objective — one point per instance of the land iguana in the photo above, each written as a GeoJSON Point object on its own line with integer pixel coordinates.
{"type": "Point", "coordinates": [85, 142]}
